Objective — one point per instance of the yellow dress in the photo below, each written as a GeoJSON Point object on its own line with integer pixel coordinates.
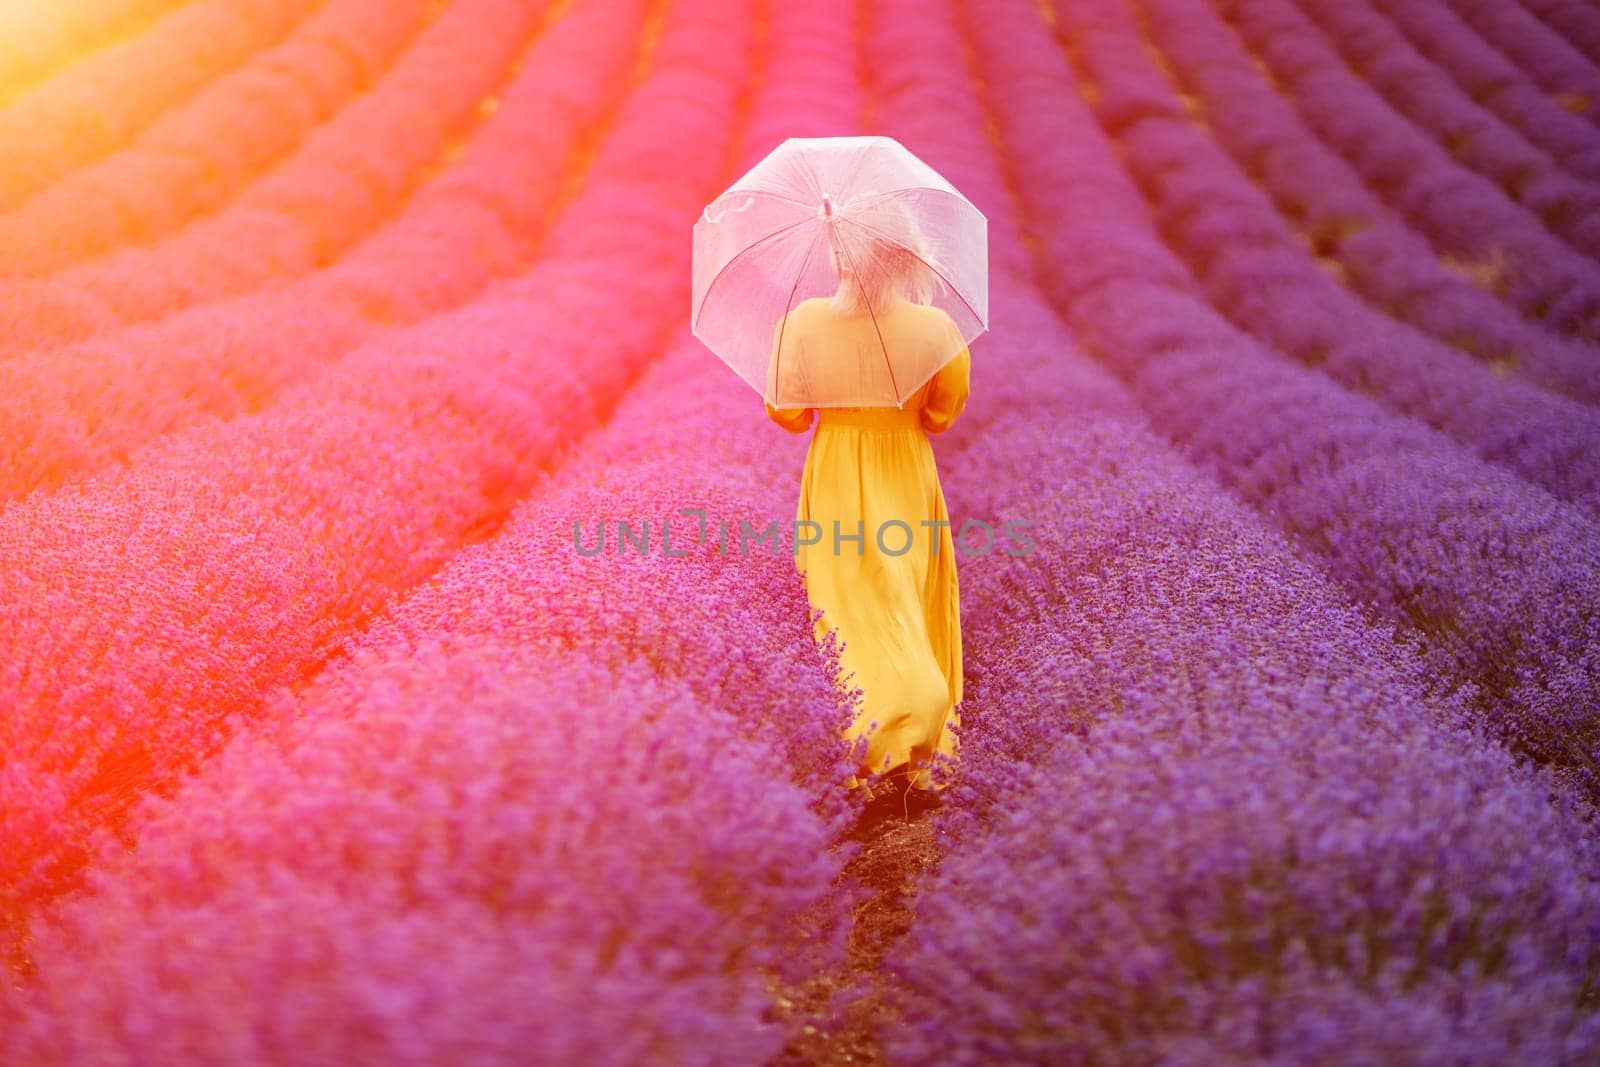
{"type": "Point", "coordinates": [883, 568]}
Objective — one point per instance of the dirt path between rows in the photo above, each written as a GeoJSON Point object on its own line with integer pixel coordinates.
{"type": "Point", "coordinates": [895, 856]}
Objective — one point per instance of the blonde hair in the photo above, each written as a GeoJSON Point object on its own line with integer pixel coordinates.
{"type": "Point", "coordinates": [887, 256]}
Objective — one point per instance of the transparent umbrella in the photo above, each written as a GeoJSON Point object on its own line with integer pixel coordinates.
{"type": "Point", "coordinates": [862, 225]}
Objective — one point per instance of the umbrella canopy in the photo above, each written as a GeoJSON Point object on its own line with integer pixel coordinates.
{"type": "Point", "coordinates": [839, 272]}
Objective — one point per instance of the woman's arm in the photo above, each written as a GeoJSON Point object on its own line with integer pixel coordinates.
{"type": "Point", "coordinates": [947, 396]}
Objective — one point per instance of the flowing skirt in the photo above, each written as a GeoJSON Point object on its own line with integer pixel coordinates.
{"type": "Point", "coordinates": [883, 572]}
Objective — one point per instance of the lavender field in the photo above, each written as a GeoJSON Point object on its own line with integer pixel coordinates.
{"type": "Point", "coordinates": [326, 324]}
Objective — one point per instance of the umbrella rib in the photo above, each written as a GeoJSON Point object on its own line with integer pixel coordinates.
{"type": "Point", "coordinates": [900, 189]}
{"type": "Point", "coordinates": [867, 302]}
{"type": "Point", "coordinates": [745, 251]}
{"type": "Point", "coordinates": [861, 159]}
{"type": "Point", "coordinates": [959, 295]}
{"type": "Point", "coordinates": [804, 161]}
{"type": "Point", "coordinates": [777, 196]}
{"type": "Point", "coordinates": [783, 323]}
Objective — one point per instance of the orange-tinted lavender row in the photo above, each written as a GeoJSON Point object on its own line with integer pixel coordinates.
{"type": "Point", "coordinates": [70, 411]}
{"type": "Point", "coordinates": [195, 157]}
{"type": "Point", "coordinates": [232, 556]}
{"type": "Point", "coordinates": [100, 104]}
{"type": "Point", "coordinates": [680, 713]}
{"type": "Point", "coordinates": [37, 40]}
{"type": "Point", "coordinates": [342, 182]}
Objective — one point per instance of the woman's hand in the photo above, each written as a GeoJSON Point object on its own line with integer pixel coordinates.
{"type": "Point", "coordinates": [795, 420]}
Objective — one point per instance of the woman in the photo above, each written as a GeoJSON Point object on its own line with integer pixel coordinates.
{"type": "Point", "coordinates": [884, 572]}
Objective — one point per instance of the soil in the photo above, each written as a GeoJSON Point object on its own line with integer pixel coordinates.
{"type": "Point", "coordinates": [895, 855]}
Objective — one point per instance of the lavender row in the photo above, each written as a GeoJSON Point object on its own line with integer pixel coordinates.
{"type": "Point", "coordinates": [665, 544]}
{"type": "Point", "coordinates": [196, 156]}
{"type": "Point", "coordinates": [745, 703]}
{"type": "Point", "coordinates": [1392, 555]}
{"type": "Point", "coordinates": [1426, 95]}
{"type": "Point", "coordinates": [1349, 232]}
{"type": "Point", "coordinates": [1278, 879]}
{"type": "Point", "coordinates": [1083, 465]}
{"type": "Point", "coordinates": [37, 40]}
{"type": "Point", "coordinates": [679, 592]}
{"type": "Point", "coordinates": [100, 103]}
{"type": "Point", "coordinates": [1560, 56]}
{"type": "Point", "coordinates": [1198, 628]}
{"type": "Point", "coordinates": [1209, 673]}
{"type": "Point", "coordinates": [171, 597]}
{"type": "Point", "coordinates": [1496, 83]}
{"type": "Point", "coordinates": [1490, 569]}
{"type": "Point", "coordinates": [481, 856]}
{"type": "Point", "coordinates": [1176, 621]}
{"type": "Point", "coordinates": [1458, 210]}
{"type": "Point", "coordinates": [67, 412]}
{"type": "Point", "coordinates": [351, 175]}
{"type": "Point", "coordinates": [1257, 272]}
